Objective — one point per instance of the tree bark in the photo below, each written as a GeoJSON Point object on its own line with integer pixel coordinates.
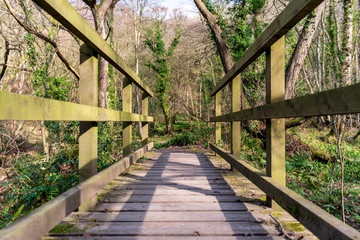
{"type": "Point", "coordinates": [301, 50]}
{"type": "Point", "coordinates": [220, 40]}
{"type": "Point", "coordinates": [347, 45]}
{"type": "Point", "coordinates": [102, 12]}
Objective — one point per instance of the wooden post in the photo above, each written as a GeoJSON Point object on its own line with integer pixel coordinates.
{"type": "Point", "coordinates": [88, 130]}
{"type": "Point", "coordinates": [218, 113]}
{"type": "Point", "coordinates": [235, 107]}
{"type": "Point", "coordinates": [127, 107]}
{"type": "Point", "coordinates": [275, 128]}
{"type": "Point", "coordinates": [145, 111]}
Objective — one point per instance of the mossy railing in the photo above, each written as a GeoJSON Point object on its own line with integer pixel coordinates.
{"type": "Point", "coordinates": [338, 101]}
{"type": "Point", "coordinates": [30, 108]}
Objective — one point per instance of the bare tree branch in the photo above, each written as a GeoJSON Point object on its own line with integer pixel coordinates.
{"type": "Point", "coordinates": [43, 37]}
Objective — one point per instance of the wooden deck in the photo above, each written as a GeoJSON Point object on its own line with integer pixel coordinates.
{"type": "Point", "coordinates": [178, 195]}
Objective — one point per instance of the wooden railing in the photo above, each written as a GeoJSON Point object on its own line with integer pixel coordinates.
{"type": "Point", "coordinates": [338, 101]}
{"type": "Point", "coordinates": [30, 108]}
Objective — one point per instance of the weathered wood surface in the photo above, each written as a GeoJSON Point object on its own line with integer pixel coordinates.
{"type": "Point", "coordinates": [179, 202]}
{"type": "Point", "coordinates": [30, 108]}
{"type": "Point", "coordinates": [317, 220]}
{"type": "Point", "coordinates": [342, 100]}
{"type": "Point", "coordinates": [275, 128]}
{"type": "Point", "coordinates": [42, 219]}
{"type": "Point", "coordinates": [292, 14]}
{"type": "Point", "coordinates": [62, 11]}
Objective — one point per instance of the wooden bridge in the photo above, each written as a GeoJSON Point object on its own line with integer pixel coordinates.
{"type": "Point", "coordinates": [176, 195]}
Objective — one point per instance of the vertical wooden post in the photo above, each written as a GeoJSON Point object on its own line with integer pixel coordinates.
{"type": "Point", "coordinates": [88, 130]}
{"type": "Point", "coordinates": [235, 107]}
{"type": "Point", "coordinates": [218, 113]}
{"type": "Point", "coordinates": [275, 128]}
{"type": "Point", "coordinates": [145, 111]}
{"type": "Point", "coordinates": [127, 107]}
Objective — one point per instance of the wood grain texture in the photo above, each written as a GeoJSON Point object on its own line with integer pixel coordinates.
{"type": "Point", "coordinates": [292, 14]}
{"type": "Point", "coordinates": [218, 113]}
{"type": "Point", "coordinates": [62, 11]}
{"type": "Point", "coordinates": [88, 138]}
{"type": "Point", "coordinates": [127, 107]}
{"type": "Point", "coordinates": [30, 108]}
{"type": "Point", "coordinates": [275, 128]}
{"type": "Point", "coordinates": [235, 107]}
{"type": "Point", "coordinates": [343, 100]}
{"type": "Point", "coordinates": [318, 221]}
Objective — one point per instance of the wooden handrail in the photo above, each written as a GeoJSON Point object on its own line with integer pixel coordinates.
{"type": "Point", "coordinates": [63, 12]}
{"type": "Point", "coordinates": [31, 108]}
{"type": "Point", "coordinates": [343, 100]}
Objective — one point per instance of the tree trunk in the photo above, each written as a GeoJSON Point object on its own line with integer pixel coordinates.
{"type": "Point", "coordinates": [301, 50]}
{"type": "Point", "coordinates": [102, 12]}
{"type": "Point", "coordinates": [347, 45]}
{"type": "Point", "coordinates": [220, 40]}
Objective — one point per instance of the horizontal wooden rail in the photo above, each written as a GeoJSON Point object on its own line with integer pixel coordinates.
{"type": "Point", "coordinates": [343, 100]}
{"type": "Point", "coordinates": [63, 12]}
{"type": "Point", "coordinates": [292, 14]}
{"type": "Point", "coordinates": [321, 223]}
{"type": "Point", "coordinates": [41, 220]}
{"type": "Point", "coordinates": [30, 108]}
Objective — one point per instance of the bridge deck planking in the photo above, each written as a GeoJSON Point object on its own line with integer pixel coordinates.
{"type": "Point", "coordinates": [172, 197]}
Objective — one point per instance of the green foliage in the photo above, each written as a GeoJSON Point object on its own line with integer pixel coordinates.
{"type": "Point", "coordinates": [253, 151]}
{"type": "Point", "coordinates": [188, 135]}
{"type": "Point", "coordinates": [35, 182]}
{"type": "Point", "coordinates": [154, 41]}
{"type": "Point", "coordinates": [109, 144]}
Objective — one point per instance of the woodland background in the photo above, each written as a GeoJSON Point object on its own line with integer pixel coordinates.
{"type": "Point", "coordinates": [181, 59]}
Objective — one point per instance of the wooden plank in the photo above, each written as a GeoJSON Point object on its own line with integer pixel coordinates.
{"type": "Point", "coordinates": [331, 102]}
{"type": "Point", "coordinates": [169, 191]}
{"type": "Point", "coordinates": [44, 218]}
{"type": "Point", "coordinates": [318, 221]}
{"type": "Point", "coordinates": [173, 178]}
{"type": "Point", "coordinates": [173, 186]}
{"type": "Point", "coordinates": [31, 108]}
{"type": "Point", "coordinates": [170, 199]}
{"type": "Point", "coordinates": [88, 146]}
{"type": "Point", "coordinates": [63, 12]}
{"type": "Point", "coordinates": [292, 14]}
{"type": "Point", "coordinates": [196, 216]}
{"type": "Point", "coordinates": [127, 107]}
{"type": "Point", "coordinates": [172, 182]}
{"type": "Point", "coordinates": [178, 229]}
{"type": "Point", "coordinates": [168, 238]}
{"type": "Point", "coordinates": [209, 216]}
{"type": "Point", "coordinates": [275, 128]}
{"type": "Point", "coordinates": [183, 207]}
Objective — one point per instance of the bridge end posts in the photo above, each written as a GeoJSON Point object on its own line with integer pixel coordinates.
{"type": "Point", "coordinates": [127, 107]}
{"type": "Point", "coordinates": [275, 128]}
{"type": "Point", "coordinates": [236, 126]}
{"type": "Point", "coordinates": [217, 113]}
{"type": "Point", "coordinates": [145, 111]}
{"type": "Point", "coordinates": [88, 130]}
